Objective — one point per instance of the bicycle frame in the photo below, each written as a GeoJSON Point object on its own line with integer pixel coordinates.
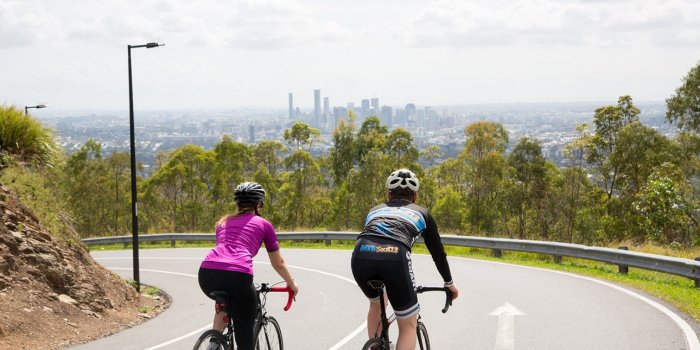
{"type": "Point", "coordinates": [386, 321]}
{"type": "Point", "coordinates": [260, 311]}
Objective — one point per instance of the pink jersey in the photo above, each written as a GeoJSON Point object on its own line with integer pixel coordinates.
{"type": "Point", "coordinates": [238, 240]}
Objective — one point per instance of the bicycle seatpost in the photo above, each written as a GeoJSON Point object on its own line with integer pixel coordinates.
{"type": "Point", "coordinates": [379, 287]}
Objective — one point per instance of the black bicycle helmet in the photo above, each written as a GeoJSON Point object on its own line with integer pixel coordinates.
{"type": "Point", "coordinates": [249, 192]}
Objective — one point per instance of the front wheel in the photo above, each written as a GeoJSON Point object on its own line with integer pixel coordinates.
{"type": "Point", "coordinates": [269, 335]}
{"type": "Point", "coordinates": [375, 344]}
{"type": "Point", "coordinates": [423, 340]}
{"type": "Point", "coordinates": [211, 340]}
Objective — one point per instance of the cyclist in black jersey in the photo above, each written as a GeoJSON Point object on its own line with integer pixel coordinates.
{"type": "Point", "coordinates": [383, 252]}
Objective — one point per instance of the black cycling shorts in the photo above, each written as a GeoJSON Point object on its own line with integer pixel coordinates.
{"type": "Point", "coordinates": [243, 300]}
{"type": "Point", "coordinates": [377, 258]}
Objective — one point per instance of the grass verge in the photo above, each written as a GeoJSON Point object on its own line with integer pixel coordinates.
{"type": "Point", "coordinates": [677, 291]}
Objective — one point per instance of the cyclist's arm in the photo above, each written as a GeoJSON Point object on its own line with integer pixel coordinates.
{"type": "Point", "coordinates": [281, 267]}
{"type": "Point", "coordinates": [436, 249]}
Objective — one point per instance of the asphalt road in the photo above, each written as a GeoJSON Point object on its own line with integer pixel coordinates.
{"type": "Point", "coordinates": [501, 306]}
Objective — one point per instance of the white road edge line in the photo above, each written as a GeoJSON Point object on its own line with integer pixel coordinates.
{"type": "Point", "coordinates": [334, 347]}
{"type": "Point", "coordinates": [690, 337]}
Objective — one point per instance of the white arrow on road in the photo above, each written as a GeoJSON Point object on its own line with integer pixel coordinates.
{"type": "Point", "coordinates": [505, 338]}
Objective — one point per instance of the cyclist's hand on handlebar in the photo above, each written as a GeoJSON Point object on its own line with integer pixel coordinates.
{"type": "Point", "coordinates": [454, 291]}
{"type": "Point", "coordinates": [293, 286]}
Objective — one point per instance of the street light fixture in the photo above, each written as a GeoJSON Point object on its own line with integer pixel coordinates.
{"type": "Point", "coordinates": [134, 208]}
{"type": "Point", "coordinates": [28, 107]}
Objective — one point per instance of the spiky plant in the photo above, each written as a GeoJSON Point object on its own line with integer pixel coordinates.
{"type": "Point", "coordinates": [25, 140]}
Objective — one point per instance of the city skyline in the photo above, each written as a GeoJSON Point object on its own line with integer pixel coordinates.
{"type": "Point", "coordinates": [221, 54]}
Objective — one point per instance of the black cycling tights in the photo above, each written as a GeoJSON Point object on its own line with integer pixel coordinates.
{"type": "Point", "coordinates": [243, 301]}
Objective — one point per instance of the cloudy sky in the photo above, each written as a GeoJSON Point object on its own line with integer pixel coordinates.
{"type": "Point", "coordinates": [71, 54]}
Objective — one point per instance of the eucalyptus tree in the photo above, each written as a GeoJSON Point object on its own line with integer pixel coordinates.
{"type": "Point", "coordinates": [302, 190]}
{"type": "Point", "coordinates": [484, 155]}
{"type": "Point", "coordinates": [267, 159]}
{"type": "Point", "coordinates": [639, 150]}
{"type": "Point", "coordinates": [401, 150]}
{"type": "Point", "coordinates": [300, 135]}
{"type": "Point", "coordinates": [118, 165]}
{"type": "Point", "coordinates": [668, 213]}
{"type": "Point", "coordinates": [342, 154]}
{"type": "Point", "coordinates": [268, 154]}
{"type": "Point", "coordinates": [449, 211]}
{"type": "Point", "coordinates": [231, 166]}
{"type": "Point", "coordinates": [683, 107]}
{"type": "Point", "coordinates": [573, 185]}
{"type": "Point", "coordinates": [529, 175]}
{"type": "Point", "coordinates": [609, 121]}
{"type": "Point", "coordinates": [87, 185]}
{"type": "Point", "coordinates": [178, 197]}
{"type": "Point", "coordinates": [371, 136]}
{"type": "Point", "coordinates": [430, 154]}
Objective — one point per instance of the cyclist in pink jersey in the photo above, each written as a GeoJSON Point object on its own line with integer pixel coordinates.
{"type": "Point", "coordinates": [229, 266]}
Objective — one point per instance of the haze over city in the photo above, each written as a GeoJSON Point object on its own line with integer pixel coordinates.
{"type": "Point", "coordinates": [221, 54]}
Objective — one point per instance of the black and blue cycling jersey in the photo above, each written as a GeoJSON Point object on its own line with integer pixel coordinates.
{"type": "Point", "coordinates": [403, 221]}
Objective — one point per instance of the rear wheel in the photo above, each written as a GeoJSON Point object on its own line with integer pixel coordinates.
{"type": "Point", "coordinates": [269, 335]}
{"type": "Point", "coordinates": [375, 344]}
{"type": "Point", "coordinates": [211, 340]}
{"type": "Point", "coordinates": [423, 340]}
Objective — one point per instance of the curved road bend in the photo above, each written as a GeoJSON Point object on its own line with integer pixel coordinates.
{"type": "Point", "coordinates": [501, 307]}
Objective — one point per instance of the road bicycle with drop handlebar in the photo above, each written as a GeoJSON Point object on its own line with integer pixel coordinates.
{"type": "Point", "coordinates": [268, 333]}
{"type": "Point", "coordinates": [381, 338]}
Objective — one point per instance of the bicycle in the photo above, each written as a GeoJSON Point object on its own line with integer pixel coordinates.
{"type": "Point", "coordinates": [268, 334]}
{"type": "Point", "coordinates": [381, 340]}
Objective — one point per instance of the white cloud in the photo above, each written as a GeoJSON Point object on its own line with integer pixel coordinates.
{"type": "Point", "coordinates": [549, 22]}
{"type": "Point", "coordinates": [252, 24]}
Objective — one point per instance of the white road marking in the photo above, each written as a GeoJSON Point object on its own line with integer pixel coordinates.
{"type": "Point", "coordinates": [349, 337]}
{"type": "Point", "coordinates": [690, 337]}
{"type": "Point", "coordinates": [505, 336]}
{"type": "Point", "coordinates": [162, 345]}
{"type": "Point", "coordinates": [156, 271]}
{"type": "Point", "coordinates": [338, 345]}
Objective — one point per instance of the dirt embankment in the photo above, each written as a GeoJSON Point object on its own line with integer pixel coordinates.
{"type": "Point", "coordinates": [52, 293]}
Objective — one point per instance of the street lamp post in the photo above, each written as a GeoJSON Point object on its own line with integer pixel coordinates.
{"type": "Point", "coordinates": [28, 107]}
{"type": "Point", "coordinates": [134, 208]}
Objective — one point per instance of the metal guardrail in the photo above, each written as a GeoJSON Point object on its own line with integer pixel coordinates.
{"type": "Point", "coordinates": [622, 258]}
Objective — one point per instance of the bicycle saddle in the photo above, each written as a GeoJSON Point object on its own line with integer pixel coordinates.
{"type": "Point", "coordinates": [219, 296]}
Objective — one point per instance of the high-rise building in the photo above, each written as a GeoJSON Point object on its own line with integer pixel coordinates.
{"type": "Point", "coordinates": [251, 133]}
{"type": "Point", "coordinates": [326, 113]}
{"type": "Point", "coordinates": [431, 120]}
{"type": "Point", "coordinates": [291, 107]}
{"type": "Point", "coordinates": [365, 109]}
{"type": "Point", "coordinates": [410, 116]}
{"type": "Point", "coordinates": [374, 103]}
{"type": "Point", "coordinates": [339, 113]}
{"type": "Point", "coordinates": [317, 108]}
{"type": "Point", "coordinates": [400, 117]}
{"type": "Point", "coordinates": [385, 115]}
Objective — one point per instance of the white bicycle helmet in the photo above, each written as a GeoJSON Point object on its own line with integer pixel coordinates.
{"type": "Point", "coordinates": [403, 178]}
